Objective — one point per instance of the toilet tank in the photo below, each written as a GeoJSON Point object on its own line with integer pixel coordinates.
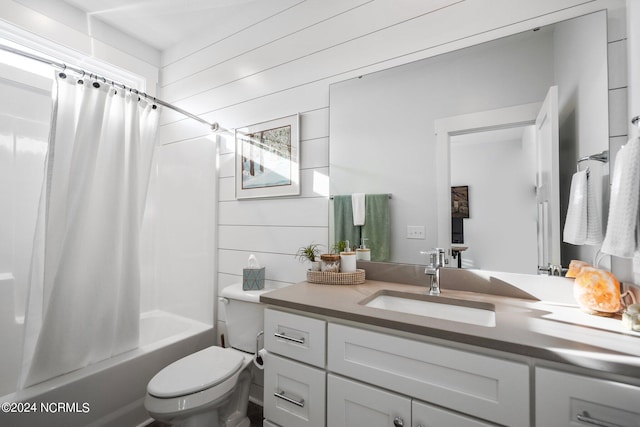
{"type": "Point", "coordinates": [245, 316]}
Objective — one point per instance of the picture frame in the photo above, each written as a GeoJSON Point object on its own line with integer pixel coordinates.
{"type": "Point", "coordinates": [268, 159]}
{"type": "Point", "coordinates": [460, 201]}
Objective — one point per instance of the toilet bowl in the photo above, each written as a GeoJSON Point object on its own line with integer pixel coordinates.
{"type": "Point", "coordinates": [211, 387]}
{"type": "Point", "coordinates": [207, 388]}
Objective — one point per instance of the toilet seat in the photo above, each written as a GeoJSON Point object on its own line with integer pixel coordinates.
{"type": "Point", "coordinates": [194, 373]}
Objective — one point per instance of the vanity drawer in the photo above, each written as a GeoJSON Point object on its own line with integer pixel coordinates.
{"type": "Point", "coordinates": [294, 393]}
{"type": "Point", "coordinates": [425, 415]}
{"type": "Point", "coordinates": [481, 386]}
{"type": "Point", "coordinates": [564, 399]}
{"type": "Point", "coordinates": [298, 337]}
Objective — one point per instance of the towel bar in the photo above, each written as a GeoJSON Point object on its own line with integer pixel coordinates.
{"type": "Point", "coordinates": [331, 197]}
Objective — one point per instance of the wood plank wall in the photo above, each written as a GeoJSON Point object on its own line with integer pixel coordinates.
{"type": "Point", "coordinates": [284, 65]}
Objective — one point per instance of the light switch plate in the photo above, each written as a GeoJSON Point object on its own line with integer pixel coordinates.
{"type": "Point", "coordinates": [415, 231]}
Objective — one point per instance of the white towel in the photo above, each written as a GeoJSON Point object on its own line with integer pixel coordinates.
{"type": "Point", "coordinates": [358, 206]}
{"type": "Point", "coordinates": [620, 238]}
{"type": "Point", "coordinates": [575, 227]}
{"type": "Point", "coordinates": [594, 219]}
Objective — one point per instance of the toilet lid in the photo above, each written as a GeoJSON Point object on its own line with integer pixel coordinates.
{"type": "Point", "coordinates": [196, 372]}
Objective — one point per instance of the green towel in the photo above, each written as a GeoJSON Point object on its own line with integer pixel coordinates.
{"type": "Point", "coordinates": [377, 226]}
{"type": "Point", "coordinates": [343, 221]}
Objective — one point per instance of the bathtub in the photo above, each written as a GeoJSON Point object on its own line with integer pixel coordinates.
{"type": "Point", "coordinates": [111, 392]}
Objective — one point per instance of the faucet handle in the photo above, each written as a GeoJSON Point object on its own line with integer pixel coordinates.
{"type": "Point", "coordinates": [433, 256]}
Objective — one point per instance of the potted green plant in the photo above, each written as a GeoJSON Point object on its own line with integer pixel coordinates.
{"type": "Point", "coordinates": [339, 247]}
{"type": "Point", "coordinates": [310, 253]}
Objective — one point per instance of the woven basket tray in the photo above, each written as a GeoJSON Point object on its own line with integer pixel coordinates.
{"type": "Point", "coordinates": [331, 278]}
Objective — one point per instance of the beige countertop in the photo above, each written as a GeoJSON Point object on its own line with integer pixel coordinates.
{"type": "Point", "coordinates": [547, 330]}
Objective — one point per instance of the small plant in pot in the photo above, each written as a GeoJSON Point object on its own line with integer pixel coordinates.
{"type": "Point", "coordinates": [339, 247]}
{"type": "Point", "coordinates": [310, 253]}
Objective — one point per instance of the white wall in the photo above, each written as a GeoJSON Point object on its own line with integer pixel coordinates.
{"type": "Point", "coordinates": [284, 65]}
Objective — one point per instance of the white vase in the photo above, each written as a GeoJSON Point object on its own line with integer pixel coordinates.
{"type": "Point", "coordinates": [315, 265]}
{"type": "Point", "coordinates": [347, 262]}
{"type": "Point", "coordinates": [363, 254]}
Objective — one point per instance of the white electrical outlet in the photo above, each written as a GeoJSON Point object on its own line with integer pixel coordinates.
{"type": "Point", "coordinates": [415, 231]}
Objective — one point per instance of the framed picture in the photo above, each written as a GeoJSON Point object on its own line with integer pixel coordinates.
{"type": "Point", "coordinates": [460, 202]}
{"type": "Point", "coordinates": [268, 159]}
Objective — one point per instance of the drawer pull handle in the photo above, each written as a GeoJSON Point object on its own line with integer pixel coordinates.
{"type": "Point", "coordinates": [585, 418]}
{"type": "Point", "coordinates": [281, 395]}
{"type": "Point", "coordinates": [398, 422]}
{"type": "Point", "coordinates": [288, 338]}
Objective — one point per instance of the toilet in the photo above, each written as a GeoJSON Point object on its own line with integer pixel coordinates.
{"type": "Point", "coordinates": [211, 387]}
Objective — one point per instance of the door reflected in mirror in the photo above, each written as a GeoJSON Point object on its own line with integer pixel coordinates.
{"type": "Point", "coordinates": [499, 168]}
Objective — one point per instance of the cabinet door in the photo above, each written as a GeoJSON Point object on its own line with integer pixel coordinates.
{"type": "Point", "coordinates": [353, 404]}
{"type": "Point", "coordinates": [425, 415]}
{"type": "Point", "coordinates": [294, 393]}
{"type": "Point", "coordinates": [481, 386]}
{"type": "Point", "coordinates": [564, 399]}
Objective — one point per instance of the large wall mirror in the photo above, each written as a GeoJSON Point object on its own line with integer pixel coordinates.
{"type": "Point", "coordinates": [383, 139]}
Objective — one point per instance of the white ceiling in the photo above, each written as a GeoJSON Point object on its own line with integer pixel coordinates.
{"type": "Point", "coordinates": [164, 23]}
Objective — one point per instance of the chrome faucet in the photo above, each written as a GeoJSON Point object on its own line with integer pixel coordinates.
{"type": "Point", "coordinates": [436, 262]}
{"type": "Point", "coordinates": [552, 270]}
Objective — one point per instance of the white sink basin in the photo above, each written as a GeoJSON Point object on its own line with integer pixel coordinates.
{"type": "Point", "coordinates": [455, 310]}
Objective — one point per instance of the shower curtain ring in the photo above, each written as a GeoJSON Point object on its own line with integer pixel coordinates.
{"type": "Point", "coordinates": [95, 83]}
{"type": "Point", "coordinates": [62, 73]}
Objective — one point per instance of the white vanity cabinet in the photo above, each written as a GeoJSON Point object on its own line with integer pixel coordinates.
{"type": "Point", "coordinates": [327, 373]}
{"type": "Point", "coordinates": [294, 374]}
{"type": "Point", "coordinates": [564, 399]}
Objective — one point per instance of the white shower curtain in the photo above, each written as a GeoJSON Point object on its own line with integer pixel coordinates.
{"type": "Point", "coordinates": [84, 291]}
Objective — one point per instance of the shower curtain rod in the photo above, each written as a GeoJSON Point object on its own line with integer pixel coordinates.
{"type": "Point", "coordinates": [62, 66]}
